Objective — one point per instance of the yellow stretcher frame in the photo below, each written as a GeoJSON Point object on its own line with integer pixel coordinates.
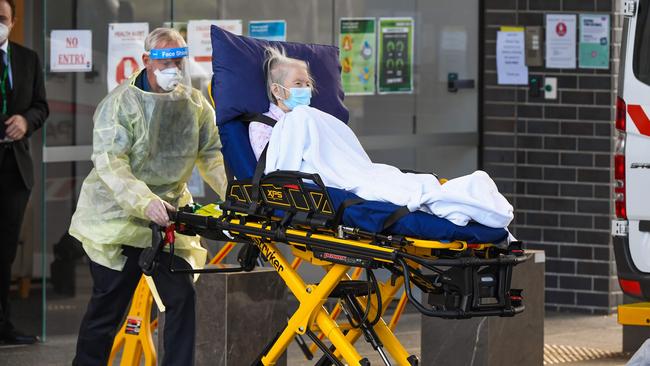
{"type": "Point", "coordinates": [337, 253]}
{"type": "Point", "coordinates": [311, 313]}
{"type": "Point", "coordinates": [137, 341]}
{"type": "Point", "coordinates": [136, 346]}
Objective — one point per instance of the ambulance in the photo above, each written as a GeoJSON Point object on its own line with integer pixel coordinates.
{"type": "Point", "coordinates": [631, 228]}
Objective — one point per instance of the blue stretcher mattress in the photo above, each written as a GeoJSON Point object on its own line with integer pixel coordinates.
{"type": "Point", "coordinates": [236, 58]}
{"type": "Point", "coordinates": [371, 215]}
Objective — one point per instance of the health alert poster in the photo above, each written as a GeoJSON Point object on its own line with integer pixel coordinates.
{"type": "Point", "coordinates": [358, 55]}
{"type": "Point", "coordinates": [395, 55]}
{"type": "Point", "coordinates": [125, 49]}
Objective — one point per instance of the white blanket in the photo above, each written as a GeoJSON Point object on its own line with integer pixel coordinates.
{"type": "Point", "coordinates": [312, 141]}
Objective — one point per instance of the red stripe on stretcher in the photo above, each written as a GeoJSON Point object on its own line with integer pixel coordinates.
{"type": "Point", "coordinates": [203, 58]}
{"type": "Point", "coordinates": [640, 119]}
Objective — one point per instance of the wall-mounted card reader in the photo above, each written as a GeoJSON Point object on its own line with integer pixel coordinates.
{"type": "Point", "coordinates": [534, 86]}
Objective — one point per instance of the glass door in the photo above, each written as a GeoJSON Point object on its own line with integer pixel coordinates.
{"type": "Point", "coordinates": [433, 128]}
{"type": "Point", "coordinates": [67, 146]}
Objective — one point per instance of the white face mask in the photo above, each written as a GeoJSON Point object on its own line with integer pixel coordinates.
{"type": "Point", "coordinates": [4, 32]}
{"type": "Point", "coordinates": [168, 79]}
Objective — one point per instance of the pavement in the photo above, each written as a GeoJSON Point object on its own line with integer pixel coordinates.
{"type": "Point", "coordinates": [578, 331]}
{"type": "Point", "coordinates": [600, 332]}
{"type": "Point", "coordinates": [566, 335]}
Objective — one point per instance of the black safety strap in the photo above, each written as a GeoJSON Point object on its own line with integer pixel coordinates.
{"type": "Point", "coordinates": [395, 216]}
{"type": "Point", "coordinates": [261, 163]}
{"type": "Point", "coordinates": [338, 218]}
{"type": "Point", "coordinates": [257, 177]}
{"type": "Point", "coordinates": [257, 117]}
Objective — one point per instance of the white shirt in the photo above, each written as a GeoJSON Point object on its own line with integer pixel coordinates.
{"type": "Point", "coordinates": [259, 134]}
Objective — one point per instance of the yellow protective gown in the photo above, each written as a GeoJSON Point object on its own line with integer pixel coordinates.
{"type": "Point", "coordinates": [145, 146]}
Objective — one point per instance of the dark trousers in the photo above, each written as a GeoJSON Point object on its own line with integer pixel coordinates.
{"type": "Point", "coordinates": [13, 200]}
{"type": "Point", "coordinates": [112, 291]}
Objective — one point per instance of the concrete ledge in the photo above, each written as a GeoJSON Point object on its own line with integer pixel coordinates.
{"type": "Point", "coordinates": [237, 315]}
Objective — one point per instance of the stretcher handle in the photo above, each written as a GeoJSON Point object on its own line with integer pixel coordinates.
{"type": "Point", "coordinates": [148, 259]}
{"type": "Point", "coordinates": [466, 261]}
{"type": "Point", "coordinates": [297, 174]}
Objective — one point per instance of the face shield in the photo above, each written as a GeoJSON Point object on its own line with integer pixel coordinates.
{"type": "Point", "coordinates": [171, 70]}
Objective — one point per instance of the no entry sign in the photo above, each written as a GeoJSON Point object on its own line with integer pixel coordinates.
{"type": "Point", "coordinates": [71, 51]}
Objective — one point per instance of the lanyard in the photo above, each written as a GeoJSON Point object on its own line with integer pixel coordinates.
{"type": "Point", "coordinates": [3, 82]}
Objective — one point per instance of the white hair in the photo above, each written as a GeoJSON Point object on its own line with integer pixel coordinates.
{"type": "Point", "coordinates": [275, 67]}
{"type": "Point", "coordinates": [163, 35]}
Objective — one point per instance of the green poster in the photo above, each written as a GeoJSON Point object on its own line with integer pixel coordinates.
{"type": "Point", "coordinates": [358, 47]}
{"type": "Point", "coordinates": [395, 73]}
{"type": "Point", "coordinates": [593, 49]}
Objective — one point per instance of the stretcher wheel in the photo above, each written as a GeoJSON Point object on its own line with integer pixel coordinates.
{"type": "Point", "coordinates": [353, 287]}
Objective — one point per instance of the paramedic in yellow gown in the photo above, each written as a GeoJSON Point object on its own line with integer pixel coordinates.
{"type": "Point", "coordinates": [148, 135]}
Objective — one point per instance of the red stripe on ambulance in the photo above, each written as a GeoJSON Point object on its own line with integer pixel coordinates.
{"type": "Point", "coordinates": [640, 119]}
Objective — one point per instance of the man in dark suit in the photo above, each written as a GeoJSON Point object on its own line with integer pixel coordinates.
{"type": "Point", "coordinates": [23, 110]}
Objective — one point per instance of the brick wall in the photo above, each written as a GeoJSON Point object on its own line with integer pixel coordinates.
{"type": "Point", "coordinates": [552, 158]}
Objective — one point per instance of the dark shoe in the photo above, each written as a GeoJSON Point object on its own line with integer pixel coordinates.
{"type": "Point", "coordinates": [16, 337]}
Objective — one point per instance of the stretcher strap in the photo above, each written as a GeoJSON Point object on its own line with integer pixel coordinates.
{"type": "Point", "coordinates": [338, 218]}
{"type": "Point", "coordinates": [261, 163]}
{"type": "Point", "coordinates": [394, 217]}
{"type": "Point", "coordinates": [257, 117]}
{"type": "Point", "coordinates": [257, 177]}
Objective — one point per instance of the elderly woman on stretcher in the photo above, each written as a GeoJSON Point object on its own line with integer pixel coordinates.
{"type": "Point", "coordinates": [308, 140]}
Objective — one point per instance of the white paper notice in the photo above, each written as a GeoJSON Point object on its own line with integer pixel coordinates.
{"type": "Point", "coordinates": [200, 44]}
{"type": "Point", "coordinates": [561, 41]}
{"type": "Point", "coordinates": [71, 51]}
{"type": "Point", "coordinates": [452, 52]}
{"type": "Point", "coordinates": [511, 59]}
{"type": "Point", "coordinates": [125, 49]}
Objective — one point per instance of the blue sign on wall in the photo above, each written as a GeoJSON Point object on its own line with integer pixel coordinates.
{"type": "Point", "coordinates": [271, 30]}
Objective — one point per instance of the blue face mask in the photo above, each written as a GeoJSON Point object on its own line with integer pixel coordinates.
{"type": "Point", "coordinates": [297, 96]}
